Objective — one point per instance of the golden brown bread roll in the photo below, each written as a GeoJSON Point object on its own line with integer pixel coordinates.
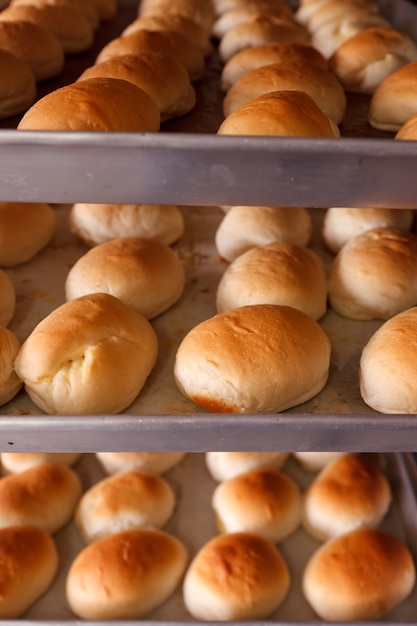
{"type": "Point", "coordinates": [408, 131]}
{"type": "Point", "coordinates": [247, 11]}
{"type": "Point", "coordinates": [7, 298]}
{"type": "Point", "coordinates": [17, 85]}
{"type": "Point", "coordinates": [200, 12]}
{"type": "Point", "coordinates": [157, 462]}
{"type": "Point", "coordinates": [14, 462]}
{"type": "Point", "coordinates": [10, 383]}
{"type": "Point", "coordinates": [226, 465]}
{"type": "Point", "coordinates": [318, 11]}
{"type": "Point", "coordinates": [394, 100]}
{"type": "Point", "coordinates": [88, 7]}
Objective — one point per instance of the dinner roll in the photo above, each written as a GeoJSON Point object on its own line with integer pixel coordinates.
{"type": "Point", "coordinates": [373, 275]}
{"type": "Point", "coordinates": [264, 501]}
{"type": "Point", "coordinates": [337, 11]}
{"type": "Point", "coordinates": [144, 273]}
{"type": "Point", "coordinates": [26, 228]}
{"type": "Point", "coordinates": [361, 575]}
{"type": "Point", "coordinates": [277, 273]}
{"type": "Point", "coordinates": [283, 113]}
{"type": "Point", "coordinates": [395, 99]}
{"type": "Point", "coordinates": [408, 131]}
{"type": "Point", "coordinates": [280, 13]}
{"type": "Point", "coordinates": [223, 584]}
{"type": "Point", "coordinates": [313, 461]}
{"type": "Point", "coordinates": [244, 227]}
{"type": "Point", "coordinates": [126, 575]}
{"type": "Point", "coordinates": [343, 223]}
{"type": "Point", "coordinates": [45, 496]}
{"type": "Point", "coordinates": [88, 7]}
{"type": "Point", "coordinates": [69, 358]}
{"type": "Point", "coordinates": [157, 462]}
{"type": "Point", "coordinates": [17, 86]}
{"type": "Point", "coordinates": [98, 223]}
{"type": "Point", "coordinates": [14, 462]}
{"type": "Point", "coordinates": [162, 76]}
{"type": "Point", "coordinates": [28, 565]}
{"type": "Point", "coordinates": [97, 104]}
{"type": "Point", "coordinates": [387, 368]}
{"type": "Point", "coordinates": [286, 360]}
{"type": "Point", "coordinates": [10, 383]}
{"type": "Point", "coordinates": [200, 12]}
{"type": "Point", "coordinates": [7, 298]}
{"type": "Point", "coordinates": [349, 493]}
{"type": "Point", "coordinates": [226, 465]}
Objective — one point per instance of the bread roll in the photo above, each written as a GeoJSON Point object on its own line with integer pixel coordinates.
{"type": "Point", "coordinates": [200, 12]}
{"type": "Point", "coordinates": [14, 462]}
{"type": "Point", "coordinates": [10, 383]}
{"type": "Point", "coordinates": [277, 273]}
{"type": "Point", "coordinates": [349, 493]}
{"type": "Point", "coordinates": [26, 228]}
{"type": "Point", "coordinates": [97, 104]}
{"type": "Point", "coordinates": [373, 275]}
{"type": "Point", "coordinates": [310, 11]}
{"type": "Point", "coordinates": [88, 7]}
{"type": "Point", "coordinates": [17, 85]}
{"type": "Point", "coordinates": [98, 223]}
{"type": "Point", "coordinates": [45, 496]}
{"type": "Point", "coordinates": [313, 461]}
{"type": "Point", "coordinates": [394, 100]}
{"type": "Point", "coordinates": [124, 501]}
{"type": "Point", "coordinates": [227, 465]}
{"type": "Point", "coordinates": [408, 131]}
{"type": "Point", "coordinates": [340, 224]}
{"type": "Point", "coordinates": [157, 462]}
{"type": "Point", "coordinates": [263, 501]}
{"type": "Point", "coordinates": [244, 227]}
{"type": "Point", "coordinates": [144, 273]}
{"type": "Point", "coordinates": [126, 575]}
{"type": "Point", "coordinates": [222, 6]}
{"type": "Point", "coordinates": [280, 13]}
{"type": "Point", "coordinates": [387, 368]}
{"type": "Point", "coordinates": [69, 358]}
{"type": "Point", "coordinates": [7, 299]}
{"type": "Point", "coordinates": [28, 565]}
{"type": "Point", "coordinates": [283, 113]}
{"type": "Point", "coordinates": [286, 360]}
{"type": "Point", "coordinates": [360, 576]}
{"type": "Point", "coordinates": [223, 584]}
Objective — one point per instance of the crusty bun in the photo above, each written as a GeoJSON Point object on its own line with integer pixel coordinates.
{"type": "Point", "coordinates": [408, 131]}
{"type": "Point", "coordinates": [200, 12]}
{"type": "Point", "coordinates": [144, 273]}
{"type": "Point", "coordinates": [157, 462]}
{"type": "Point", "coordinates": [7, 298]}
{"type": "Point", "coordinates": [88, 7]}
{"type": "Point", "coordinates": [69, 358]}
{"type": "Point", "coordinates": [14, 462]}
{"type": "Point", "coordinates": [263, 501]}
{"type": "Point", "coordinates": [18, 85]}
{"type": "Point", "coordinates": [162, 76]}
{"type": "Point", "coordinates": [349, 493]}
{"type": "Point", "coordinates": [340, 224]}
{"type": "Point", "coordinates": [28, 565]}
{"type": "Point", "coordinates": [283, 113]}
{"type": "Point", "coordinates": [246, 12]}
{"type": "Point", "coordinates": [25, 229]}
{"type": "Point", "coordinates": [338, 11]}
{"type": "Point", "coordinates": [359, 576]}
{"type": "Point", "coordinates": [126, 575]}
{"type": "Point", "coordinates": [286, 360]}
{"type": "Point", "coordinates": [96, 104]}
{"type": "Point", "coordinates": [10, 383]}
{"type": "Point", "coordinates": [364, 60]}
{"type": "Point", "coordinates": [222, 6]}
{"type": "Point", "coordinates": [387, 368]}
{"type": "Point", "coordinates": [394, 100]}
{"type": "Point", "coordinates": [124, 501]}
{"type": "Point", "coordinates": [373, 275]}
{"type": "Point", "coordinates": [44, 495]}
{"type": "Point", "coordinates": [223, 584]}
{"type": "Point", "coordinates": [97, 223]}
{"type": "Point", "coordinates": [244, 227]}
{"type": "Point", "coordinates": [277, 273]}
{"type": "Point", "coordinates": [226, 465]}
{"type": "Point", "coordinates": [275, 52]}
{"type": "Point", "coordinates": [313, 461]}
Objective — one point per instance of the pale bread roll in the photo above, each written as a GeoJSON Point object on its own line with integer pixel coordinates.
{"type": "Point", "coordinates": [343, 223]}
{"type": "Point", "coordinates": [387, 367]}
{"type": "Point", "coordinates": [26, 228]}
{"type": "Point", "coordinates": [7, 299]}
{"type": "Point", "coordinates": [360, 576]}
{"type": "Point", "coordinates": [394, 100]}
{"type": "Point", "coordinates": [239, 15]}
{"type": "Point", "coordinates": [200, 12]}
{"type": "Point", "coordinates": [70, 356]}
{"type": "Point", "coordinates": [222, 6]}
{"type": "Point", "coordinates": [313, 461]}
{"type": "Point", "coordinates": [364, 60]}
{"type": "Point", "coordinates": [157, 462]}
{"type": "Point", "coordinates": [28, 566]}
{"type": "Point", "coordinates": [14, 462]}
{"type": "Point", "coordinates": [17, 85]}
{"type": "Point", "coordinates": [126, 575]}
{"type": "Point", "coordinates": [244, 227]}
{"type": "Point", "coordinates": [338, 11]}
{"type": "Point", "coordinates": [349, 493]}
{"type": "Point", "coordinates": [227, 465]}
{"type": "Point", "coordinates": [162, 76]}
{"type": "Point", "coordinates": [320, 84]}
{"type": "Point", "coordinates": [97, 223]}
{"type": "Point", "coordinates": [282, 113]}
{"type": "Point", "coordinates": [10, 383]}
{"type": "Point", "coordinates": [262, 501]}
{"type": "Point", "coordinates": [223, 584]}
{"type": "Point", "coordinates": [275, 52]}
{"type": "Point", "coordinates": [408, 131]}
{"type": "Point", "coordinates": [35, 45]}
{"type": "Point", "coordinates": [276, 273]}
{"type": "Point", "coordinates": [307, 9]}
{"type": "Point", "coordinates": [286, 360]}
{"type": "Point", "coordinates": [97, 104]}
{"type": "Point", "coordinates": [88, 7]}
{"type": "Point", "coordinates": [143, 273]}
{"type": "Point", "coordinates": [373, 275]}
{"type": "Point", "coordinates": [45, 496]}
